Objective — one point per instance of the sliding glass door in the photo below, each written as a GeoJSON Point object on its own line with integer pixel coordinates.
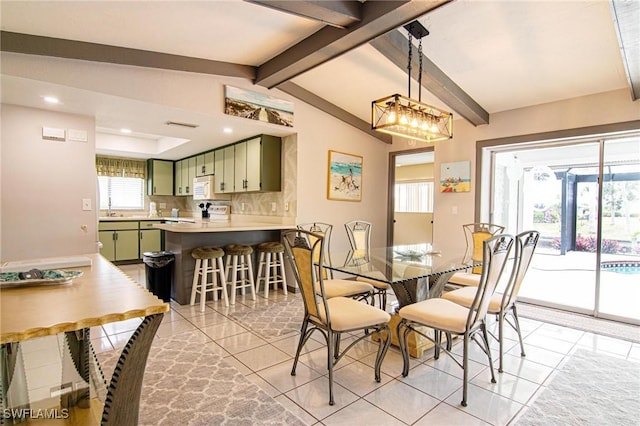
{"type": "Point", "coordinates": [589, 252]}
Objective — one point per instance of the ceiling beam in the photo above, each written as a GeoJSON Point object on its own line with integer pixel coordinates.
{"type": "Point", "coordinates": [340, 14]}
{"type": "Point", "coordinates": [625, 17]}
{"type": "Point", "coordinates": [394, 45]}
{"type": "Point", "coordinates": [72, 49]}
{"type": "Point", "coordinates": [331, 109]}
{"type": "Point", "coordinates": [378, 17]}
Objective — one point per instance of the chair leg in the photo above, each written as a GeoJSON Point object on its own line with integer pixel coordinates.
{"type": "Point", "coordinates": [303, 333]}
{"type": "Point", "coordinates": [330, 356]}
{"type": "Point", "coordinates": [204, 282]}
{"type": "Point", "coordinates": [465, 369]}
{"type": "Point", "coordinates": [402, 331]}
{"type": "Point", "coordinates": [223, 281]}
{"type": "Point", "coordinates": [501, 338]}
{"type": "Point", "coordinates": [382, 350]}
{"type": "Point", "coordinates": [517, 323]}
{"type": "Point", "coordinates": [252, 287]}
{"type": "Point", "coordinates": [485, 338]}
{"type": "Point", "coordinates": [282, 273]}
{"type": "Point", "coordinates": [336, 351]}
{"type": "Point", "coordinates": [194, 285]}
{"type": "Point", "coordinates": [267, 274]}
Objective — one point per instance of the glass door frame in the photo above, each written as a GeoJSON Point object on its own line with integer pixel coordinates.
{"type": "Point", "coordinates": [598, 134]}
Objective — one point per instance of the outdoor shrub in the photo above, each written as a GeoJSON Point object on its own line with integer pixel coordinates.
{"type": "Point", "coordinates": [590, 244]}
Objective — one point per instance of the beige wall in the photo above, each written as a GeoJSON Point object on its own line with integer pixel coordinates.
{"type": "Point", "coordinates": [604, 108]}
{"type": "Point", "coordinates": [43, 184]}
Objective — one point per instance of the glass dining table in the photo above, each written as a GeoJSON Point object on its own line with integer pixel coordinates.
{"type": "Point", "coordinates": [414, 272]}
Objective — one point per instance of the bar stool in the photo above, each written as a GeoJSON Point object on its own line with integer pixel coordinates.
{"type": "Point", "coordinates": [271, 258]}
{"type": "Point", "coordinates": [201, 283]}
{"type": "Point", "coordinates": [238, 262]}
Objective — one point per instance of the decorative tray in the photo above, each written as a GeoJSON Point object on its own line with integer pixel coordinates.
{"type": "Point", "coordinates": [410, 253]}
{"type": "Point", "coordinates": [37, 277]}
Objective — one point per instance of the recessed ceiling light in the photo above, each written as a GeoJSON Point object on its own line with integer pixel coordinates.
{"type": "Point", "coordinates": [51, 100]}
{"type": "Point", "coordinates": [127, 131]}
{"type": "Point", "coordinates": [227, 130]}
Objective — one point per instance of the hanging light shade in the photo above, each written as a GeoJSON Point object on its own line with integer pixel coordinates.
{"type": "Point", "coordinates": [402, 116]}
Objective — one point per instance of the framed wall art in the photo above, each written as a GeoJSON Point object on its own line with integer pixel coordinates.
{"type": "Point", "coordinates": [344, 177]}
{"type": "Point", "coordinates": [257, 106]}
{"type": "Point", "coordinates": [455, 177]}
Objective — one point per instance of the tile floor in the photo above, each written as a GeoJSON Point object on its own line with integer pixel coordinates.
{"type": "Point", "coordinates": [430, 394]}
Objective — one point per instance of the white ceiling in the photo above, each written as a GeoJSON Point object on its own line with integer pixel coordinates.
{"type": "Point", "coordinates": [504, 54]}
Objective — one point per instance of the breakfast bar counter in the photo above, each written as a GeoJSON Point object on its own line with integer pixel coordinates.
{"type": "Point", "coordinates": [182, 238]}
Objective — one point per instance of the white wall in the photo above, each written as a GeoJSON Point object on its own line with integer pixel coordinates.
{"type": "Point", "coordinates": [43, 184]}
{"type": "Point", "coordinates": [599, 109]}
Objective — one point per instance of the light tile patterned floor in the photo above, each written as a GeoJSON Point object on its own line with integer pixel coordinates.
{"type": "Point", "coordinates": [430, 395]}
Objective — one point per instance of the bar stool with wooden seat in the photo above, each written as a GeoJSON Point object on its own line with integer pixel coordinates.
{"type": "Point", "coordinates": [270, 261]}
{"type": "Point", "coordinates": [201, 284]}
{"type": "Point", "coordinates": [238, 264]}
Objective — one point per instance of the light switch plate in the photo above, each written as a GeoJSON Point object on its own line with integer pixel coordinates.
{"type": "Point", "coordinates": [53, 134]}
{"type": "Point", "coordinates": [86, 204]}
{"type": "Point", "coordinates": [77, 135]}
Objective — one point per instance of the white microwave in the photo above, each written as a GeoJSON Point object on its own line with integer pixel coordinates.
{"type": "Point", "coordinates": [204, 189]}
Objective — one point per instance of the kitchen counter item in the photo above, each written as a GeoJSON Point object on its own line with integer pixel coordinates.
{"type": "Point", "coordinates": [175, 212]}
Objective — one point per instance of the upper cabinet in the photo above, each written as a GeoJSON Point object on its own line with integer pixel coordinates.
{"type": "Point", "coordinates": [160, 177]}
{"type": "Point", "coordinates": [204, 164]}
{"type": "Point", "coordinates": [257, 164]}
{"type": "Point", "coordinates": [187, 169]}
{"type": "Point", "coordinates": [224, 169]}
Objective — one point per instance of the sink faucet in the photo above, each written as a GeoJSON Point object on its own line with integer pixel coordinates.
{"type": "Point", "coordinates": [109, 212]}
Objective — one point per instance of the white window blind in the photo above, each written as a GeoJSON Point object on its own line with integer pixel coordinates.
{"type": "Point", "coordinates": [125, 193]}
{"type": "Point", "coordinates": [414, 197]}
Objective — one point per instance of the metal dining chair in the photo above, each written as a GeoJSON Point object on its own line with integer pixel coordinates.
{"type": "Point", "coordinates": [330, 316]}
{"type": "Point", "coordinates": [333, 288]}
{"type": "Point", "coordinates": [445, 316]}
{"type": "Point", "coordinates": [474, 234]}
{"type": "Point", "coordinates": [359, 234]}
{"type": "Point", "coordinates": [504, 304]}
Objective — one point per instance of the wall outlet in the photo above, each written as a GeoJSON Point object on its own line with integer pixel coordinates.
{"type": "Point", "coordinates": [241, 206]}
{"type": "Point", "coordinates": [454, 209]}
{"type": "Point", "coordinates": [86, 204]}
{"type": "Point", "coordinates": [286, 206]}
{"type": "Point", "coordinates": [163, 205]}
{"type": "Point", "coordinates": [273, 207]}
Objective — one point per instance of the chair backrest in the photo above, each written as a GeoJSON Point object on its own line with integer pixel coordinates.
{"type": "Point", "coordinates": [525, 243]}
{"type": "Point", "coordinates": [359, 233]}
{"type": "Point", "coordinates": [496, 252]}
{"type": "Point", "coordinates": [304, 250]}
{"type": "Point", "coordinates": [475, 234]}
{"type": "Point", "coordinates": [324, 230]}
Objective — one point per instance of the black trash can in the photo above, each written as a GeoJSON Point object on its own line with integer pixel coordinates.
{"type": "Point", "coordinates": [159, 271]}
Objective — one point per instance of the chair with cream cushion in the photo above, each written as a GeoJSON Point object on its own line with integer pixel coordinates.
{"type": "Point", "coordinates": [330, 316]}
{"type": "Point", "coordinates": [445, 316]}
{"type": "Point", "coordinates": [333, 288]}
{"type": "Point", "coordinates": [474, 234]}
{"type": "Point", "coordinates": [359, 234]}
{"type": "Point", "coordinates": [503, 304]}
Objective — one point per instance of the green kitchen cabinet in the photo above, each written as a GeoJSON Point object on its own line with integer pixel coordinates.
{"type": "Point", "coordinates": [224, 169]}
{"type": "Point", "coordinates": [120, 240]}
{"type": "Point", "coordinates": [159, 177]}
{"type": "Point", "coordinates": [258, 164]}
{"type": "Point", "coordinates": [150, 238]}
{"type": "Point", "coordinates": [204, 164]}
{"type": "Point", "coordinates": [177, 178]}
{"type": "Point", "coordinates": [188, 173]}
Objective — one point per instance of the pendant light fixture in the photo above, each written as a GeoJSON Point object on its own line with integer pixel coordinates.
{"type": "Point", "coordinates": [402, 116]}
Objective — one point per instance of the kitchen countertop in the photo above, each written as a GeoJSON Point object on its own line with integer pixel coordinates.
{"type": "Point", "coordinates": [201, 226]}
{"type": "Point", "coordinates": [138, 218]}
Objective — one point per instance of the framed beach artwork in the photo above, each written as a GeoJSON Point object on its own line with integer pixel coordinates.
{"type": "Point", "coordinates": [455, 177]}
{"type": "Point", "coordinates": [257, 106]}
{"type": "Point", "coordinates": [344, 179]}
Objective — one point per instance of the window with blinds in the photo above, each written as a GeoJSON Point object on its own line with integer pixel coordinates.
{"type": "Point", "coordinates": [121, 183]}
{"type": "Point", "coordinates": [414, 197]}
{"type": "Point", "coordinates": [125, 193]}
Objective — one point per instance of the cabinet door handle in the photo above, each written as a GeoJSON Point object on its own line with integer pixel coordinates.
{"type": "Point", "coordinates": [115, 236]}
{"type": "Point", "coordinates": [154, 189]}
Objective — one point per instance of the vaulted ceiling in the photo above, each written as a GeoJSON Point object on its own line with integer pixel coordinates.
{"type": "Point", "coordinates": [481, 57]}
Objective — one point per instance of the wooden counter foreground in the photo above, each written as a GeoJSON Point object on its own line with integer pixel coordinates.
{"type": "Point", "coordinates": [103, 294]}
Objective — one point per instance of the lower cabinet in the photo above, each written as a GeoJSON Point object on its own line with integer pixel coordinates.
{"type": "Point", "coordinates": [128, 240]}
{"type": "Point", "coordinates": [150, 239]}
{"type": "Point", "coordinates": [119, 244]}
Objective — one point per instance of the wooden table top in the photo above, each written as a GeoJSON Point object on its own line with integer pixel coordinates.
{"type": "Point", "coordinates": [103, 294]}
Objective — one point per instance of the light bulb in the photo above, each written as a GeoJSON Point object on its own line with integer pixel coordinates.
{"type": "Point", "coordinates": [391, 118]}
{"type": "Point", "coordinates": [404, 119]}
{"type": "Point", "coordinates": [414, 122]}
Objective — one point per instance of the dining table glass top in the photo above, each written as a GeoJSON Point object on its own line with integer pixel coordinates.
{"type": "Point", "coordinates": [412, 271]}
{"type": "Point", "coordinates": [395, 264]}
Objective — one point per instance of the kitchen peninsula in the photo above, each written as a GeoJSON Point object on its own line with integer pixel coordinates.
{"type": "Point", "coordinates": [182, 238]}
